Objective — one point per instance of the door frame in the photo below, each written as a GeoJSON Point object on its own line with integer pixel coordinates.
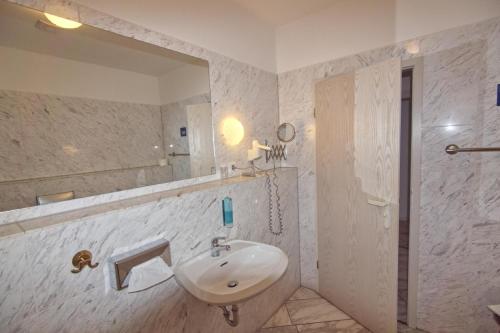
{"type": "Point", "coordinates": [415, 175]}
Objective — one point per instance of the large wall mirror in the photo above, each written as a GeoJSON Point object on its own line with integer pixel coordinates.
{"type": "Point", "coordinates": [84, 112]}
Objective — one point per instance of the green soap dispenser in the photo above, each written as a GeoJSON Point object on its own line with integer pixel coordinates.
{"type": "Point", "coordinates": [227, 212]}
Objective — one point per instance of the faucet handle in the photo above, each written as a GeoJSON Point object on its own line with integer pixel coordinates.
{"type": "Point", "coordinates": [215, 240]}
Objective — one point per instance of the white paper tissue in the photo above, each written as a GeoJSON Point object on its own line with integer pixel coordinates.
{"type": "Point", "coordinates": [148, 274]}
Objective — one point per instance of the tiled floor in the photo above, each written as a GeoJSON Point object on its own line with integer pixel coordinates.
{"type": "Point", "coordinates": [307, 312]}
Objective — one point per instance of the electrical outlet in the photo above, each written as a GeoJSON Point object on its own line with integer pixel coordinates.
{"type": "Point", "coordinates": [232, 172]}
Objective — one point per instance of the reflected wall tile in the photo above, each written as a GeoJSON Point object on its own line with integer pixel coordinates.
{"type": "Point", "coordinates": [24, 193]}
{"type": "Point", "coordinates": [49, 135]}
{"type": "Point", "coordinates": [174, 117]}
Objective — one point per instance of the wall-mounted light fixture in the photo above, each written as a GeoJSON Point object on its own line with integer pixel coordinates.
{"type": "Point", "coordinates": [62, 22]}
{"type": "Point", "coordinates": [233, 131]}
{"type": "Point", "coordinates": [413, 47]}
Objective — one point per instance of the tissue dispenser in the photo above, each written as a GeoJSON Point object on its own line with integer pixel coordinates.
{"type": "Point", "coordinates": [123, 263]}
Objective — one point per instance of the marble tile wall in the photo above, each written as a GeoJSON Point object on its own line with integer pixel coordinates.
{"type": "Point", "coordinates": [48, 135]}
{"type": "Point", "coordinates": [460, 223]}
{"type": "Point", "coordinates": [460, 218]}
{"type": "Point", "coordinates": [237, 90]}
{"type": "Point", "coordinates": [54, 144]}
{"type": "Point", "coordinates": [251, 95]}
{"type": "Point", "coordinates": [39, 294]}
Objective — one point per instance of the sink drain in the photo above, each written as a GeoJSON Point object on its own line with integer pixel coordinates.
{"type": "Point", "coordinates": [232, 284]}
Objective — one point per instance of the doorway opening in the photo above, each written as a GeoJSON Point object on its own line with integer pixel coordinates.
{"type": "Point", "coordinates": [405, 192]}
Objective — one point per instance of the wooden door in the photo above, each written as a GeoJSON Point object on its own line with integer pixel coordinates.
{"type": "Point", "coordinates": [357, 168]}
{"type": "Point", "coordinates": [201, 146]}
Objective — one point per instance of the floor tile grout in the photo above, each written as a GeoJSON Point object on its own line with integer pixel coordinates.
{"type": "Point", "coordinates": [288, 312]}
{"type": "Point", "coordinates": [320, 322]}
{"type": "Point", "coordinates": [295, 324]}
{"type": "Point", "coordinates": [306, 325]}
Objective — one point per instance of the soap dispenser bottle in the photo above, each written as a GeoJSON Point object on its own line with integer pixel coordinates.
{"type": "Point", "coordinates": [227, 212]}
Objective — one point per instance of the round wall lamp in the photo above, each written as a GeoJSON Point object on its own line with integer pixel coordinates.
{"type": "Point", "coordinates": [233, 131]}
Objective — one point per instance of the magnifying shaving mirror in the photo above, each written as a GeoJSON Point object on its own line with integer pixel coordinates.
{"type": "Point", "coordinates": [286, 132]}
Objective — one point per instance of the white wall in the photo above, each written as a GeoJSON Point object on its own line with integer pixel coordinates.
{"type": "Point", "coordinates": [347, 27]}
{"type": "Point", "coordinates": [221, 26]}
{"type": "Point", "coordinates": [421, 17]}
{"type": "Point", "coordinates": [35, 72]}
{"type": "Point", "coordinates": [353, 26]}
{"type": "Point", "coordinates": [184, 82]}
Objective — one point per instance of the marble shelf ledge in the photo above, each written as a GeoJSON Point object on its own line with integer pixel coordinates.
{"type": "Point", "coordinates": [495, 309]}
{"type": "Point", "coordinates": [72, 216]}
{"type": "Point", "coordinates": [16, 215]}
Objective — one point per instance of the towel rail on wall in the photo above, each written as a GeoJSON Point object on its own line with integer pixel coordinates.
{"type": "Point", "coordinates": [174, 154]}
{"type": "Point", "coordinates": [453, 149]}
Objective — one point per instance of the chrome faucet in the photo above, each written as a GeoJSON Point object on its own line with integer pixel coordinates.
{"type": "Point", "coordinates": [216, 247]}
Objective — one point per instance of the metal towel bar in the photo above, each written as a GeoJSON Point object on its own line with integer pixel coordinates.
{"type": "Point", "coordinates": [178, 154]}
{"type": "Point", "coordinates": [453, 149]}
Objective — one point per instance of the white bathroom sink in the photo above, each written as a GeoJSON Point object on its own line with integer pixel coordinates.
{"type": "Point", "coordinates": [252, 266]}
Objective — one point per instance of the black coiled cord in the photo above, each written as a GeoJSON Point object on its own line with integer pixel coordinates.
{"type": "Point", "coordinates": [278, 204]}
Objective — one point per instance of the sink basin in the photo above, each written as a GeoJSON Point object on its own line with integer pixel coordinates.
{"type": "Point", "coordinates": [235, 276]}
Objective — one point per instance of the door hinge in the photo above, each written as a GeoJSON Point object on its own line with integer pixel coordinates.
{"type": "Point", "coordinates": [314, 112]}
{"type": "Point", "coordinates": [317, 264]}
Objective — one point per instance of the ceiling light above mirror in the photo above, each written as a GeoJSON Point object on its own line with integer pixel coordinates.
{"type": "Point", "coordinates": [62, 22]}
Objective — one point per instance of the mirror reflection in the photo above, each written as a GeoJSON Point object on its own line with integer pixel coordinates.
{"type": "Point", "coordinates": [85, 112]}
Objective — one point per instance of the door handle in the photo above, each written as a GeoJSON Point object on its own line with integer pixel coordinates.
{"type": "Point", "coordinates": [387, 213]}
{"type": "Point", "coordinates": [377, 202]}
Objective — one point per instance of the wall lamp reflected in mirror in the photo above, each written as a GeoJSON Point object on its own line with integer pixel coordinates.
{"type": "Point", "coordinates": [233, 131]}
{"type": "Point", "coordinates": [62, 22]}
{"type": "Point", "coordinates": [66, 11]}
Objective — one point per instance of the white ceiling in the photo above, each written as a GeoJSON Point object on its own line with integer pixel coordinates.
{"type": "Point", "coordinates": [280, 12]}
{"type": "Point", "coordinates": [243, 30]}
